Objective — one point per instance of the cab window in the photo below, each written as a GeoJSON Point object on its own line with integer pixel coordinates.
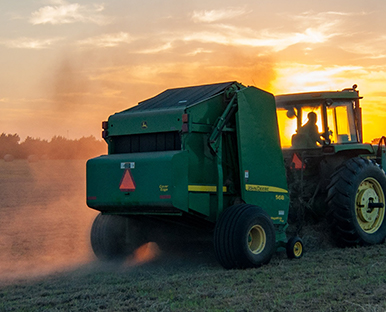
{"type": "Point", "coordinates": [340, 118]}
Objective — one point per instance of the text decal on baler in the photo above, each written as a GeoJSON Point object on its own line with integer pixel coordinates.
{"type": "Point", "coordinates": [264, 188]}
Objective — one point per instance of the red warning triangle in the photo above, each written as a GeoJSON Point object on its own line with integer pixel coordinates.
{"type": "Point", "coordinates": [127, 182]}
{"type": "Point", "coordinates": [298, 164]}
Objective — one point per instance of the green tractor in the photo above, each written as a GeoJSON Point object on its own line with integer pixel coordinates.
{"type": "Point", "coordinates": [331, 172]}
{"type": "Point", "coordinates": [209, 159]}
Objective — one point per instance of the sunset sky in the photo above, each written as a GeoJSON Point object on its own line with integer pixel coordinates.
{"type": "Point", "coordinates": [67, 65]}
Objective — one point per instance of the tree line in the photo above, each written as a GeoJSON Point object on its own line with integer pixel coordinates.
{"type": "Point", "coordinates": [57, 148]}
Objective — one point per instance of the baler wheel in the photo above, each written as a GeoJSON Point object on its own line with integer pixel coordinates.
{"type": "Point", "coordinates": [295, 248]}
{"type": "Point", "coordinates": [356, 200]}
{"type": "Point", "coordinates": [114, 237]}
{"type": "Point", "coordinates": [244, 237]}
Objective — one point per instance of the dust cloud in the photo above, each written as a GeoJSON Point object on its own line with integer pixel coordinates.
{"type": "Point", "coordinates": [44, 220]}
{"type": "Point", "coordinates": [145, 253]}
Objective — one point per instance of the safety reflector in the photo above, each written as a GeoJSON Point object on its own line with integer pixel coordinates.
{"type": "Point", "coordinates": [297, 163]}
{"type": "Point", "coordinates": [127, 182]}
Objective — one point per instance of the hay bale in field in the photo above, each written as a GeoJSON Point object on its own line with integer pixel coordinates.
{"type": "Point", "coordinates": [9, 158]}
{"type": "Point", "coordinates": [33, 158]}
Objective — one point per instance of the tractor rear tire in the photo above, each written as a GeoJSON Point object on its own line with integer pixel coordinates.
{"type": "Point", "coordinates": [356, 203]}
{"type": "Point", "coordinates": [115, 237]}
{"type": "Point", "coordinates": [244, 237]}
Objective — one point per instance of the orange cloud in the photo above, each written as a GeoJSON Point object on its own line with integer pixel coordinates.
{"type": "Point", "coordinates": [67, 13]}
{"type": "Point", "coordinates": [210, 16]}
{"type": "Point", "coordinates": [30, 43]}
{"type": "Point", "coordinates": [107, 40]}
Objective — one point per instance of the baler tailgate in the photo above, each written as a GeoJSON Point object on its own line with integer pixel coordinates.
{"type": "Point", "coordinates": [151, 180]}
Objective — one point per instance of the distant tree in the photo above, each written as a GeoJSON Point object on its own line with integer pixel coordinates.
{"type": "Point", "coordinates": [376, 141]}
{"type": "Point", "coordinates": [32, 146]}
{"type": "Point", "coordinates": [9, 144]}
{"type": "Point", "coordinates": [58, 147]}
{"type": "Point", "coordinates": [87, 147]}
{"type": "Point", "coordinates": [83, 148]}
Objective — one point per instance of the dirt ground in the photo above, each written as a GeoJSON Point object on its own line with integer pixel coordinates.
{"type": "Point", "coordinates": [44, 220]}
{"type": "Point", "coordinates": [46, 262]}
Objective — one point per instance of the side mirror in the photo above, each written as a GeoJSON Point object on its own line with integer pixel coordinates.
{"type": "Point", "coordinates": [291, 113]}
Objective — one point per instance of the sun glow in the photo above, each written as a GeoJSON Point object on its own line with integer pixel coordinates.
{"type": "Point", "coordinates": [287, 128]}
{"type": "Point", "coordinates": [294, 78]}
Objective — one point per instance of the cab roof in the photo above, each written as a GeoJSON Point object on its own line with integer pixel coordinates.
{"type": "Point", "coordinates": [315, 97]}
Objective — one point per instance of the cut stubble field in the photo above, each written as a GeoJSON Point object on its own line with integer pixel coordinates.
{"type": "Point", "coordinates": [46, 262]}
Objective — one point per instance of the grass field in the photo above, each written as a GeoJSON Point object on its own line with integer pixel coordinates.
{"type": "Point", "coordinates": [46, 263]}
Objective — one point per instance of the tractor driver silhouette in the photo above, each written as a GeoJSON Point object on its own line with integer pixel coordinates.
{"type": "Point", "coordinates": [308, 135]}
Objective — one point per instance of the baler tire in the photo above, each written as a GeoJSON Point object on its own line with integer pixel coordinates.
{"type": "Point", "coordinates": [356, 184]}
{"type": "Point", "coordinates": [294, 248]}
{"type": "Point", "coordinates": [113, 238]}
{"type": "Point", "coordinates": [244, 237]}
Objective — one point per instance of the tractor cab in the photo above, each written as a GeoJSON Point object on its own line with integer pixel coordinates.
{"type": "Point", "coordinates": [315, 119]}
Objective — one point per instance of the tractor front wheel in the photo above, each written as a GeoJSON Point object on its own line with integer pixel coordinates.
{"type": "Point", "coordinates": [115, 237]}
{"type": "Point", "coordinates": [244, 237]}
{"type": "Point", "coordinates": [295, 248]}
{"type": "Point", "coordinates": [356, 201]}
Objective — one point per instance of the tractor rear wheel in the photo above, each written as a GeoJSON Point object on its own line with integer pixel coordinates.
{"type": "Point", "coordinates": [244, 237]}
{"type": "Point", "coordinates": [115, 237]}
{"type": "Point", "coordinates": [356, 202]}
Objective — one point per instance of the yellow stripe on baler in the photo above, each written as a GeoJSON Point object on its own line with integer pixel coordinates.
{"type": "Point", "coordinates": [204, 188]}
